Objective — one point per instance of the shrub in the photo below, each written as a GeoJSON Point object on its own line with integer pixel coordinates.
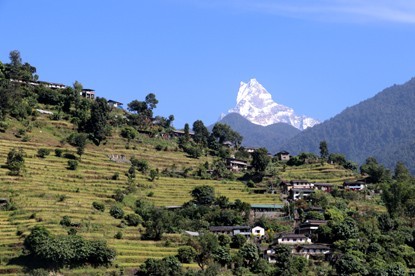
{"type": "Point", "coordinates": [3, 126]}
{"type": "Point", "coordinates": [186, 254]}
{"type": "Point", "coordinates": [72, 231]}
{"type": "Point", "coordinates": [119, 195]}
{"type": "Point", "coordinates": [58, 152]}
{"type": "Point", "coordinates": [115, 176]}
{"type": "Point", "coordinates": [99, 206]}
{"type": "Point", "coordinates": [154, 174]}
{"type": "Point", "coordinates": [72, 164]}
{"type": "Point", "coordinates": [62, 198]}
{"type": "Point", "coordinates": [133, 219]}
{"type": "Point", "coordinates": [116, 212]}
{"type": "Point", "coordinates": [159, 147]}
{"type": "Point", "coordinates": [118, 236]}
{"type": "Point", "coordinates": [70, 156]}
{"type": "Point", "coordinates": [65, 221]}
{"type": "Point", "coordinates": [141, 165]}
{"type": "Point", "coordinates": [42, 152]}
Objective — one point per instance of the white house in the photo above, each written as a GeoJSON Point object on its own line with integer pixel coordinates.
{"type": "Point", "coordinates": [114, 104]}
{"type": "Point", "coordinates": [258, 231]}
{"type": "Point", "coordinates": [291, 239]}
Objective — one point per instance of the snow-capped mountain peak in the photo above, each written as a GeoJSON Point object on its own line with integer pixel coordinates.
{"type": "Point", "coordinates": [255, 103]}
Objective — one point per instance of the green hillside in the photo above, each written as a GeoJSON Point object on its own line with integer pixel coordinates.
{"type": "Point", "coordinates": [48, 191]}
{"type": "Point", "coordinates": [381, 126]}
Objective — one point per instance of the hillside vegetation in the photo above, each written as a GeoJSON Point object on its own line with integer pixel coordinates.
{"type": "Point", "coordinates": [381, 126]}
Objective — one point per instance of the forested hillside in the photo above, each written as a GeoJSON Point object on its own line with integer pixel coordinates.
{"type": "Point", "coordinates": [382, 126]}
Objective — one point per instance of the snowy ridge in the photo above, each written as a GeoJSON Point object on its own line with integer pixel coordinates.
{"type": "Point", "coordinates": [255, 103]}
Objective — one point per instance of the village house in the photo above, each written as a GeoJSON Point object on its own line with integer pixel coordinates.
{"type": "Point", "coordinates": [231, 230]}
{"type": "Point", "coordinates": [325, 187]}
{"type": "Point", "coordinates": [181, 133]}
{"type": "Point", "coordinates": [309, 226]}
{"type": "Point", "coordinates": [50, 85]}
{"type": "Point", "coordinates": [354, 186]}
{"type": "Point", "coordinates": [114, 104]}
{"type": "Point", "coordinates": [283, 156]}
{"type": "Point", "coordinates": [236, 165]}
{"type": "Point", "coordinates": [293, 239]}
{"type": "Point", "coordinates": [258, 231]}
{"type": "Point", "coordinates": [228, 144]}
{"type": "Point", "coordinates": [250, 150]}
{"type": "Point", "coordinates": [87, 93]}
{"type": "Point", "coordinates": [299, 193]}
{"type": "Point", "coordinates": [295, 184]}
{"type": "Point", "coordinates": [311, 250]}
{"type": "Point", "coordinates": [267, 210]}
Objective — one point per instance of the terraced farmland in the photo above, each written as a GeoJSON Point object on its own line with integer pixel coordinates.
{"type": "Point", "coordinates": [48, 191]}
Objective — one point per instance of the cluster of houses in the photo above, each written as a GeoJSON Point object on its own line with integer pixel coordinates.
{"type": "Point", "coordinates": [300, 189]}
{"type": "Point", "coordinates": [299, 241]}
{"type": "Point", "coordinates": [86, 93]}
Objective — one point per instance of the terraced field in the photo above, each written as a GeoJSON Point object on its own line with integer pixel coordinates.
{"type": "Point", "coordinates": [48, 191]}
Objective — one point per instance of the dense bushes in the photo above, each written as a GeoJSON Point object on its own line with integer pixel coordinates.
{"type": "Point", "coordinates": [72, 250]}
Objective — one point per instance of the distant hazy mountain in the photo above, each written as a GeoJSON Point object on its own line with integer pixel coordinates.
{"type": "Point", "coordinates": [270, 137]}
{"type": "Point", "coordinates": [255, 103]}
{"type": "Point", "coordinates": [382, 126]}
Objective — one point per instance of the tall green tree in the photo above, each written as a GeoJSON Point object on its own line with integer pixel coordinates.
{"type": "Point", "coordinates": [260, 159]}
{"type": "Point", "coordinates": [324, 150]}
{"type": "Point", "coordinates": [98, 126]}
{"type": "Point", "coordinates": [201, 133]}
{"type": "Point", "coordinates": [203, 195]}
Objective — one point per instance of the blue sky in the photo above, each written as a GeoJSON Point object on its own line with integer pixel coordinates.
{"type": "Point", "coordinates": [317, 57]}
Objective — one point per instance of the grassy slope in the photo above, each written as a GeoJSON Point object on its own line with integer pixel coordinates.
{"type": "Point", "coordinates": [37, 194]}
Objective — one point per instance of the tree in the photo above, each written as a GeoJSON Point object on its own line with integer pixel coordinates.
{"type": "Point", "coordinates": [201, 133]}
{"type": "Point", "coordinates": [377, 173]}
{"type": "Point", "coordinates": [249, 253]}
{"type": "Point", "coordinates": [401, 172]}
{"type": "Point", "coordinates": [324, 151]}
{"type": "Point", "coordinates": [203, 195]}
{"type": "Point", "coordinates": [78, 140]}
{"type": "Point", "coordinates": [97, 125]}
{"type": "Point", "coordinates": [186, 254]}
{"type": "Point", "coordinates": [222, 133]}
{"type": "Point", "coordinates": [347, 229]}
{"type": "Point", "coordinates": [159, 223]}
{"type": "Point", "coordinates": [151, 101]}
{"type": "Point", "coordinates": [15, 161]}
{"type": "Point", "coordinates": [349, 264]}
{"type": "Point", "coordinates": [260, 159]}
{"type": "Point", "coordinates": [205, 246]}
{"type": "Point", "coordinates": [186, 132]}
{"type": "Point", "coordinates": [282, 255]}
{"type": "Point", "coordinates": [238, 241]}
{"type": "Point", "coordinates": [133, 219]}
{"type": "Point", "coordinates": [116, 212]}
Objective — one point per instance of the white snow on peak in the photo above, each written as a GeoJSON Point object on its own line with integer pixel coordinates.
{"type": "Point", "coordinates": [255, 103]}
